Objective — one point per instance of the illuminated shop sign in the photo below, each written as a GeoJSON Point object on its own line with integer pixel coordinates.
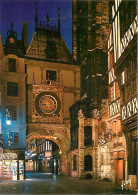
{"type": "Point", "coordinates": [10, 156]}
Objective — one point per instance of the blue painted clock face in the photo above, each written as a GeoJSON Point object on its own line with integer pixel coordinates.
{"type": "Point", "coordinates": [47, 104]}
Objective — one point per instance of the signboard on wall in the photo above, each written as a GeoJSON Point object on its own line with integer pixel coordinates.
{"type": "Point", "coordinates": [9, 156]}
{"type": "Point", "coordinates": [105, 171]}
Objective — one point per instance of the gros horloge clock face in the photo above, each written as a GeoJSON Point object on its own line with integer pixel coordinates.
{"type": "Point", "coordinates": [47, 104]}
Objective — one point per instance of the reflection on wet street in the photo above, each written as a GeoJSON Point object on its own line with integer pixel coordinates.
{"type": "Point", "coordinates": [46, 183]}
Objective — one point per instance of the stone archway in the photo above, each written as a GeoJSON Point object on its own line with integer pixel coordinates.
{"type": "Point", "coordinates": [56, 133]}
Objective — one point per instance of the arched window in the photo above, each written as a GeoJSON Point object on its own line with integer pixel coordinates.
{"type": "Point", "coordinates": [74, 163]}
{"type": "Point", "coordinates": [88, 163]}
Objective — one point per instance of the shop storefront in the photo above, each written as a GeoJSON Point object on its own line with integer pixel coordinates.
{"type": "Point", "coordinates": [13, 169]}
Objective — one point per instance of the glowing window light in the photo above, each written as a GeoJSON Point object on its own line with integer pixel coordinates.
{"type": "Point", "coordinates": [8, 122]}
{"type": "Point", "coordinates": [8, 118]}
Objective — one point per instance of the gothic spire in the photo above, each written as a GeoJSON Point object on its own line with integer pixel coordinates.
{"type": "Point", "coordinates": [11, 25]}
{"type": "Point", "coordinates": [47, 19]}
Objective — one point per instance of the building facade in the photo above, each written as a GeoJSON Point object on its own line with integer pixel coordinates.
{"type": "Point", "coordinates": [13, 108]}
{"type": "Point", "coordinates": [1, 91]}
{"type": "Point", "coordinates": [112, 118]}
{"type": "Point", "coordinates": [123, 38]}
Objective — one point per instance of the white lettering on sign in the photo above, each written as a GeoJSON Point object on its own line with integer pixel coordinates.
{"type": "Point", "coordinates": [10, 156]}
{"type": "Point", "coordinates": [124, 183]}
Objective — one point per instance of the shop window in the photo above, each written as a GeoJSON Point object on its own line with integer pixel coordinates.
{"type": "Point", "coordinates": [74, 163]}
{"type": "Point", "coordinates": [12, 65]}
{"type": "Point", "coordinates": [13, 139]}
{"type": "Point", "coordinates": [12, 89]}
{"type": "Point", "coordinates": [51, 75]}
{"type": "Point", "coordinates": [87, 135]}
{"type": "Point", "coordinates": [88, 163]}
{"type": "Point", "coordinates": [13, 112]}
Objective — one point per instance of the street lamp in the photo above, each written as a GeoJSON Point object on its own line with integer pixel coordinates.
{"type": "Point", "coordinates": [8, 117]}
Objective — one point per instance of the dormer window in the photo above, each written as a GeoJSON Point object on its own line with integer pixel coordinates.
{"type": "Point", "coordinates": [12, 65]}
{"type": "Point", "coordinates": [51, 50]}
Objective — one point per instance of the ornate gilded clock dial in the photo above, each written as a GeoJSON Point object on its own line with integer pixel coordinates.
{"type": "Point", "coordinates": [47, 104]}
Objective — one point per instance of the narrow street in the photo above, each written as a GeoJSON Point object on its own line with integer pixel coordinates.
{"type": "Point", "coordinates": [43, 183]}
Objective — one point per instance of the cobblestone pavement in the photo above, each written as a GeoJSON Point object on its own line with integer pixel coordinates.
{"type": "Point", "coordinates": [42, 183]}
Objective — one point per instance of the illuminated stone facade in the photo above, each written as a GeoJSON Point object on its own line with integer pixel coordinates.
{"type": "Point", "coordinates": [53, 85]}
{"type": "Point", "coordinates": [90, 29]}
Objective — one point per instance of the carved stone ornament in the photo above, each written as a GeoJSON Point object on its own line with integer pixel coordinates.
{"type": "Point", "coordinates": [101, 140]}
{"type": "Point", "coordinates": [80, 114]}
{"type": "Point", "coordinates": [135, 133]}
{"type": "Point", "coordinates": [95, 113]}
{"type": "Point", "coordinates": [46, 132]}
{"type": "Point", "coordinates": [104, 138]}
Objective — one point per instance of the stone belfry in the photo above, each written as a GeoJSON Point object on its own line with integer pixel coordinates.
{"type": "Point", "coordinates": [90, 30]}
{"type": "Point", "coordinates": [90, 23]}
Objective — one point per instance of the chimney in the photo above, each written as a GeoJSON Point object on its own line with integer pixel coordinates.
{"type": "Point", "coordinates": [25, 41]}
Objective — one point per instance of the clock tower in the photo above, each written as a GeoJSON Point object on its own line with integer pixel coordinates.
{"type": "Point", "coordinates": [48, 102]}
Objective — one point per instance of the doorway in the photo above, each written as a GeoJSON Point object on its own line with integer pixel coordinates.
{"type": "Point", "coordinates": [119, 164]}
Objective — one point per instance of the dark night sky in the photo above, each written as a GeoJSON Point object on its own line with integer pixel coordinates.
{"type": "Point", "coordinates": [20, 11]}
